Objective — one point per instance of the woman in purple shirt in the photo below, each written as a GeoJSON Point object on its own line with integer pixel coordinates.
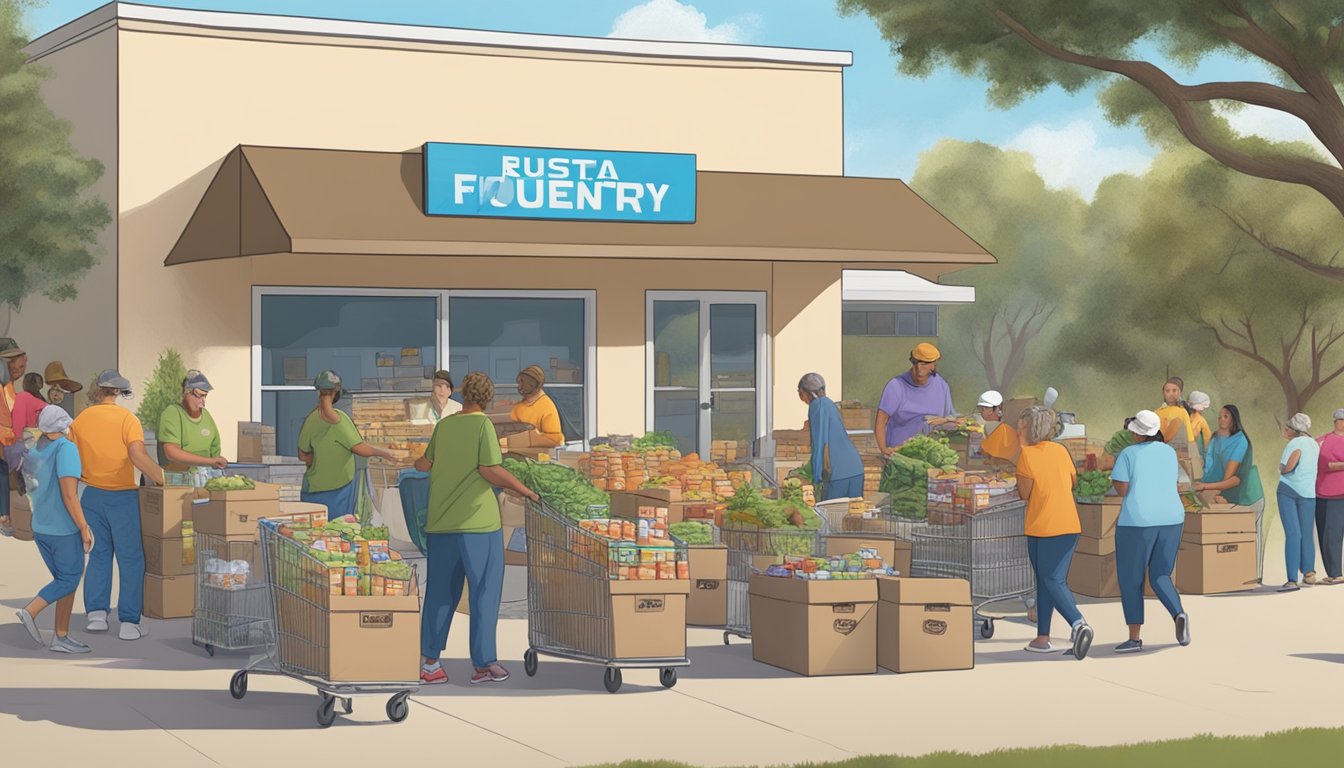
{"type": "Point", "coordinates": [909, 398]}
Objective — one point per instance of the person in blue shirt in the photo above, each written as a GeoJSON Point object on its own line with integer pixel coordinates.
{"type": "Point", "coordinates": [1297, 501]}
{"type": "Point", "coordinates": [837, 468]}
{"type": "Point", "coordinates": [51, 472]}
{"type": "Point", "coordinates": [1148, 534]}
{"type": "Point", "coordinates": [1230, 472]}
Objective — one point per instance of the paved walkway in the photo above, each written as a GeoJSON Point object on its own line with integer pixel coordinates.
{"type": "Point", "coordinates": [1260, 662]}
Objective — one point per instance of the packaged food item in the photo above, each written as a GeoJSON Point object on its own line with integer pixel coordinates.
{"type": "Point", "coordinates": [352, 581]}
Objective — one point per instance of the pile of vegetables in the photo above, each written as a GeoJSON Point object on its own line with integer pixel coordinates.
{"type": "Point", "coordinates": [748, 506]}
{"type": "Point", "coordinates": [1092, 485]}
{"type": "Point", "coordinates": [1119, 442]}
{"type": "Point", "coordinates": [230, 483]}
{"type": "Point", "coordinates": [653, 441]}
{"type": "Point", "coordinates": [568, 492]}
{"type": "Point", "coordinates": [692, 532]}
{"type": "Point", "coordinates": [933, 451]}
{"type": "Point", "coordinates": [374, 533]}
{"type": "Point", "coordinates": [905, 476]}
{"type": "Point", "coordinates": [393, 569]}
{"type": "Point", "coordinates": [792, 491]}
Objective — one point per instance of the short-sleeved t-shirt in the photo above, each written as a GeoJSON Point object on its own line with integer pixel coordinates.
{"type": "Point", "coordinates": [544, 415]}
{"type": "Point", "coordinates": [199, 437]}
{"type": "Point", "coordinates": [1303, 477]}
{"type": "Point", "coordinates": [1223, 450]}
{"type": "Point", "coordinates": [48, 463]}
{"type": "Point", "coordinates": [906, 405]}
{"type": "Point", "coordinates": [104, 434]}
{"type": "Point", "coordinates": [333, 464]}
{"type": "Point", "coordinates": [1002, 443]}
{"type": "Point", "coordinates": [1153, 497]}
{"type": "Point", "coordinates": [460, 500]}
{"type": "Point", "coordinates": [1170, 413]}
{"type": "Point", "coordinates": [1051, 510]}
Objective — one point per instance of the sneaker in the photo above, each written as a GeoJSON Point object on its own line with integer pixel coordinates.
{"type": "Point", "coordinates": [30, 625]}
{"type": "Point", "coordinates": [1082, 642]}
{"type": "Point", "coordinates": [491, 674]}
{"type": "Point", "coordinates": [68, 644]}
{"type": "Point", "coordinates": [1289, 587]}
{"type": "Point", "coordinates": [1309, 579]}
{"type": "Point", "coordinates": [433, 676]}
{"type": "Point", "coordinates": [1033, 648]}
{"type": "Point", "coordinates": [97, 621]}
{"type": "Point", "coordinates": [1182, 628]}
{"type": "Point", "coordinates": [131, 631]}
{"type": "Point", "coordinates": [1129, 646]}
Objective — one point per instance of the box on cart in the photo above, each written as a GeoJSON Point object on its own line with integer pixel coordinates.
{"type": "Point", "coordinates": [893, 551]}
{"type": "Point", "coordinates": [234, 518]}
{"type": "Point", "coordinates": [626, 504]}
{"type": "Point", "coordinates": [814, 627]}
{"type": "Point", "coordinates": [163, 510]}
{"type": "Point", "coordinates": [170, 597]}
{"type": "Point", "coordinates": [353, 639]}
{"type": "Point", "coordinates": [21, 516]}
{"type": "Point", "coordinates": [707, 605]}
{"type": "Point", "coordinates": [924, 625]}
{"type": "Point", "coordinates": [648, 619]}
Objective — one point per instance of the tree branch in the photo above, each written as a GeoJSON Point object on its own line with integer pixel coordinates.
{"type": "Point", "coordinates": [1292, 257]}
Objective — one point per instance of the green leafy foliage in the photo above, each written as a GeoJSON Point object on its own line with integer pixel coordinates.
{"type": "Point", "coordinates": [934, 451]}
{"type": "Point", "coordinates": [1119, 442]}
{"type": "Point", "coordinates": [568, 492]}
{"type": "Point", "coordinates": [1093, 484]}
{"type": "Point", "coordinates": [692, 532]}
{"type": "Point", "coordinates": [230, 483]}
{"type": "Point", "coordinates": [162, 389]}
{"type": "Point", "coordinates": [654, 440]}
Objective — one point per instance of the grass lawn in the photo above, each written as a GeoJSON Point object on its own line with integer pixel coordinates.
{"type": "Point", "coordinates": [1298, 747]}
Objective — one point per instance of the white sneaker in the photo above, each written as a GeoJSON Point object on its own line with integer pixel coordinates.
{"type": "Point", "coordinates": [132, 631]}
{"type": "Point", "coordinates": [97, 621]}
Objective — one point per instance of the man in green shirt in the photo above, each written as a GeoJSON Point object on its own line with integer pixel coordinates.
{"type": "Point", "coordinates": [328, 444]}
{"type": "Point", "coordinates": [187, 434]}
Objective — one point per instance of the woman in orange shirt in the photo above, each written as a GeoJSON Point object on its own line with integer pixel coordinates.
{"type": "Point", "coordinates": [1046, 477]}
{"type": "Point", "coordinates": [537, 408]}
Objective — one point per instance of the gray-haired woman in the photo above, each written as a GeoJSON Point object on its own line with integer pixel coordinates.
{"type": "Point", "coordinates": [837, 467]}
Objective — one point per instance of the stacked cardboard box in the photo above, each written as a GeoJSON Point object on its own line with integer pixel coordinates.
{"type": "Point", "coordinates": [167, 529]}
{"type": "Point", "coordinates": [286, 472]}
{"type": "Point", "coordinates": [855, 416]}
{"type": "Point", "coordinates": [707, 605]}
{"type": "Point", "coordinates": [724, 451]}
{"type": "Point", "coordinates": [21, 516]}
{"type": "Point", "coordinates": [1093, 570]}
{"type": "Point", "coordinates": [1218, 551]}
{"type": "Point", "coordinates": [814, 627]}
{"type": "Point", "coordinates": [237, 513]}
{"type": "Point", "coordinates": [565, 372]}
{"type": "Point", "coordinates": [255, 442]}
{"type": "Point", "coordinates": [924, 625]}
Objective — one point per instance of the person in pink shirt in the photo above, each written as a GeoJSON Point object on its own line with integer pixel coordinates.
{"type": "Point", "coordinates": [1330, 499]}
{"type": "Point", "coordinates": [28, 404]}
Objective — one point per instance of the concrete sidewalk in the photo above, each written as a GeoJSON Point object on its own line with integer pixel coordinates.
{"type": "Point", "coordinates": [1260, 662]}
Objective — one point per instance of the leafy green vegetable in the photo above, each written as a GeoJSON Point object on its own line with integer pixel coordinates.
{"type": "Point", "coordinates": [1119, 442]}
{"type": "Point", "coordinates": [933, 451]}
{"type": "Point", "coordinates": [654, 441]}
{"type": "Point", "coordinates": [1093, 484]}
{"type": "Point", "coordinates": [230, 483]}
{"type": "Point", "coordinates": [568, 492]}
{"type": "Point", "coordinates": [692, 532]}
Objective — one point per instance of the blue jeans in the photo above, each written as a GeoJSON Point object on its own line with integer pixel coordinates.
{"type": "Point", "coordinates": [1150, 551]}
{"type": "Point", "coordinates": [1298, 515]}
{"type": "Point", "coordinates": [114, 518]}
{"type": "Point", "coordinates": [64, 556]}
{"type": "Point", "coordinates": [844, 488]}
{"type": "Point", "coordinates": [339, 501]}
{"type": "Point", "coordinates": [477, 558]}
{"type": "Point", "coordinates": [1050, 558]}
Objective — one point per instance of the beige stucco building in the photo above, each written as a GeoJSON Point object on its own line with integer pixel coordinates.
{"type": "Point", "coordinates": [267, 180]}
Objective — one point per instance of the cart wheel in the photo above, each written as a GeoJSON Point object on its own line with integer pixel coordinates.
{"type": "Point", "coordinates": [238, 684]}
{"type": "Point", "coordinates": [987, 629]}
{"type": "Point", "coordinates": [347, 705]}
{"type": "Point", "coordinates": [612, 679]}
{"type": "Point", "coordinates": [210, 650]}
{"type": "Point", "coordinates": [397, 708]}
{"type": "Point", "coordinates": [326, 711]}
{"type": "Point", "coordinates": [530, 662]}
{"type": "Point", "coordinates": [726, 635]}
{"type": "Point", "coordinates": [668, 677]}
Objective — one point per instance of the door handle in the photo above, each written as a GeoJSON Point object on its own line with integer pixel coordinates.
{"type": "Point", "coordinates": [709, 405]}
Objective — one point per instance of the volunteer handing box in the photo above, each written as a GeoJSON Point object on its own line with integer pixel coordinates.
{"type": "Point", "coordinates": [236, 513]}
{"type": "Point", "coordinates": [814, 627]}
{"type": "Point", "coordinates": [924, 625]}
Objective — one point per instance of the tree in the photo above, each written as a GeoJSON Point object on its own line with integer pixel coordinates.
{"type": "Point", "coordinates": [1023, 46]}
{"type": "Point", "coordinates": [163, 388]}
{"type": "Point", "coordinates": [48, 226]}
{"type": "Point", "coordinates": [998, 199]}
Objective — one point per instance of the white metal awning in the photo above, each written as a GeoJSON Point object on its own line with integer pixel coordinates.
{"type": "Point", "coordinates": [882, 285]}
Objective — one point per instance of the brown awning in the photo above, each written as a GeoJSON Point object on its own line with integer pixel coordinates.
{"type": "Point", "coordinates": [266, 200]}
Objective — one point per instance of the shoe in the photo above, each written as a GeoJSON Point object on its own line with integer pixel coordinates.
{"type": "Point", "coordinates": [7, 531]}
{"type": "Point", "coordinates": [492, 674]}
{"type": "Point", "coordinates": [1309, 579]}
{"type": "Point", "coordinates": [1129, 646]}
{"type": "Point", "coordinates": [1047, 648]}
{"type": "Point", "coordinates": [30, 625]}
{"type": "Point", "coordinates": [1333, 580]}
{"type": "Point", "coordinates": [1289, 587]}
{"type": "Point", "coordinates": [1082, 642]}
{"type": "Point", "coordinates": [434, 676]}
{"type": "Point", "coordinates": [97, 621]}
{"type": "Point", "coordinates": [1182, 628]}
{"type": "Point", "coordinates": [68, 644]}
{"type": "Point", "coordinates": [131, 631]}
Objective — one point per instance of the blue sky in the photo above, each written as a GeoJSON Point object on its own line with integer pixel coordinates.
{"type": "Point", "coordinates": [889, 118]}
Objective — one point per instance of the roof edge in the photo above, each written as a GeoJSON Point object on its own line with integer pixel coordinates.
{"type": "Point", "coordinates": [254, 22]}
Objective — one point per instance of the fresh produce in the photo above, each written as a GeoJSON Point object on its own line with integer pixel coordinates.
{"type": "Point", "coordinates": [374, 533]}
{"type": "Point", "coordinates": [902, 473]}
{"type": "Point", "coordinates": [561, 487]}
{"type": "Point", "coordinates": [1119, 442]}
{"type": "Point", "coordinates": [792, 490]}
{"type": "Point", "coordinates": [394, 569]}
{"type": "Point", "coordinates": [230, 483]}
{"type": "Point", "coordinates": [693, 533]}
{"type": "Point", "coordinates": [863, 564]}
{"type": "Point", "coordinates": [933, 451]}
{"type": "Point", "coordinates": [654, 440]}
{"type": "Point", "coordinates": [804, 473]}
{"type": "Point", "coordinates": [1093, 484]}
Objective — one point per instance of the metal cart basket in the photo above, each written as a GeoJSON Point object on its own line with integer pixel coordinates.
{"type": "Point", "coordinates": [233, 601]}
{"type": "Point", "coordinates": [749, 550]}
{"type": "Point", "coordinates": [299, 642]}
{"type": "Point", "coordinates": [569, 599]}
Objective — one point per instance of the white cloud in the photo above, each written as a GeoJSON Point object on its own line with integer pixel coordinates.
{"type": "Point", "coordinates": [1270, 124]}
{"type": "Point", "coordinates": [1072, 157]}
{"type": "Point", "coordinates": [673, 20]}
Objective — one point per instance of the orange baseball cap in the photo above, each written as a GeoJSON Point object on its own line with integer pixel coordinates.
{"type": "Point", "coordinates": [926, 353]}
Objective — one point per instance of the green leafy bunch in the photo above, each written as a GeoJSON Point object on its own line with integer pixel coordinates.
{"type": "Point", "coordinates": [162, 389]}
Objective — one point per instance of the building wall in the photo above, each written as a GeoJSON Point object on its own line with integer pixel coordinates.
{"type": "Point", "coordinates": [81, 332]}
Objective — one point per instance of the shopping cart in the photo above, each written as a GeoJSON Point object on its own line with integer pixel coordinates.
{"type": "Point", "coordinates": [299, 643]}
{"type": "Point", "coordinates": [569, 599]}
{"type": "Point", "coordinates": [751, 550]}
{"type": "Point", "coordinates": [233, 601]}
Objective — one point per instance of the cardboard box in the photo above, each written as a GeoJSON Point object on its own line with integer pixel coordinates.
{"type": "Point", "coordinates": [924, 625]}
{"type": "Point", "coordinates": [164, 509]}
{"type": "Point", "coordinates": [170, 557]}
{"type": "Point", "coordinates": [262, 492]}
{"type": "Point", "coordinates": [1220, 519]}
{"type": "Point", "coordinates": [1212, 569]}
{"type": "Point", "coordinates": [1099, 520]}
{"type": "Point", "coordinates": [512, 510]}
{"type": "Point", "coordinates": [21, 516]}
{"type": "Point", "coordinates": [233, 518]}
{"type": "Point", "coordinates": [814, 627]}
{"type": "Point", "coordinates": [515, 545]}
{"type": "Point", "coordinates": [626, 504]}
{"type": "Point", "coordinates": [170, 597]}
{"type": "Point", "coordinates": [648, 619]}
{"type": "Point", "coordinates": [895, 552]}
{"type": "Point", "coordinates": [707, 605]}
{"type": "Point", "coordinates": [1094, 575]}
{"type": "Point", "coordinates": [302, 511]}
{"type": "Point", "coordinates": [1090, 546]}
{"type": "Point", "coordinates": [368, 638]}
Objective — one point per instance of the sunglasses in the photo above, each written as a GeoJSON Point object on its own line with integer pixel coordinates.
{"type": "Point", "coordinates": [198, 394]}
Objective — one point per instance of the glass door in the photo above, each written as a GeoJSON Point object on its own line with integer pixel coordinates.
{"type": "Point", "coordinates": [705, 369]}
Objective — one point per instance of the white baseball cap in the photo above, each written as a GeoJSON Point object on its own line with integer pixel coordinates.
{"type": "Point", "coordinates": [990, 399]}
{"type": "Point", "coordinates": [1145, 424]}
{"type": "Point", "coordinates": [1199, 401]}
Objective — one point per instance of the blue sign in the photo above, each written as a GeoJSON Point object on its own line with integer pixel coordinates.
{"type": "Point", "coordinates": [571, 184]}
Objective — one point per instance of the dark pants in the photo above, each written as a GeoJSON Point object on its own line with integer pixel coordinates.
{"type": "Point", "coordinates": [477, 559]}
{"type": "Point", "coordinates": [1147, 551]}
{"type": "Point", "coordinates": [1330, 529]}
{"type": "Point", "coordinates": [1050, 558]}
{"type": "Point", "coordinates": [4, 489]}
